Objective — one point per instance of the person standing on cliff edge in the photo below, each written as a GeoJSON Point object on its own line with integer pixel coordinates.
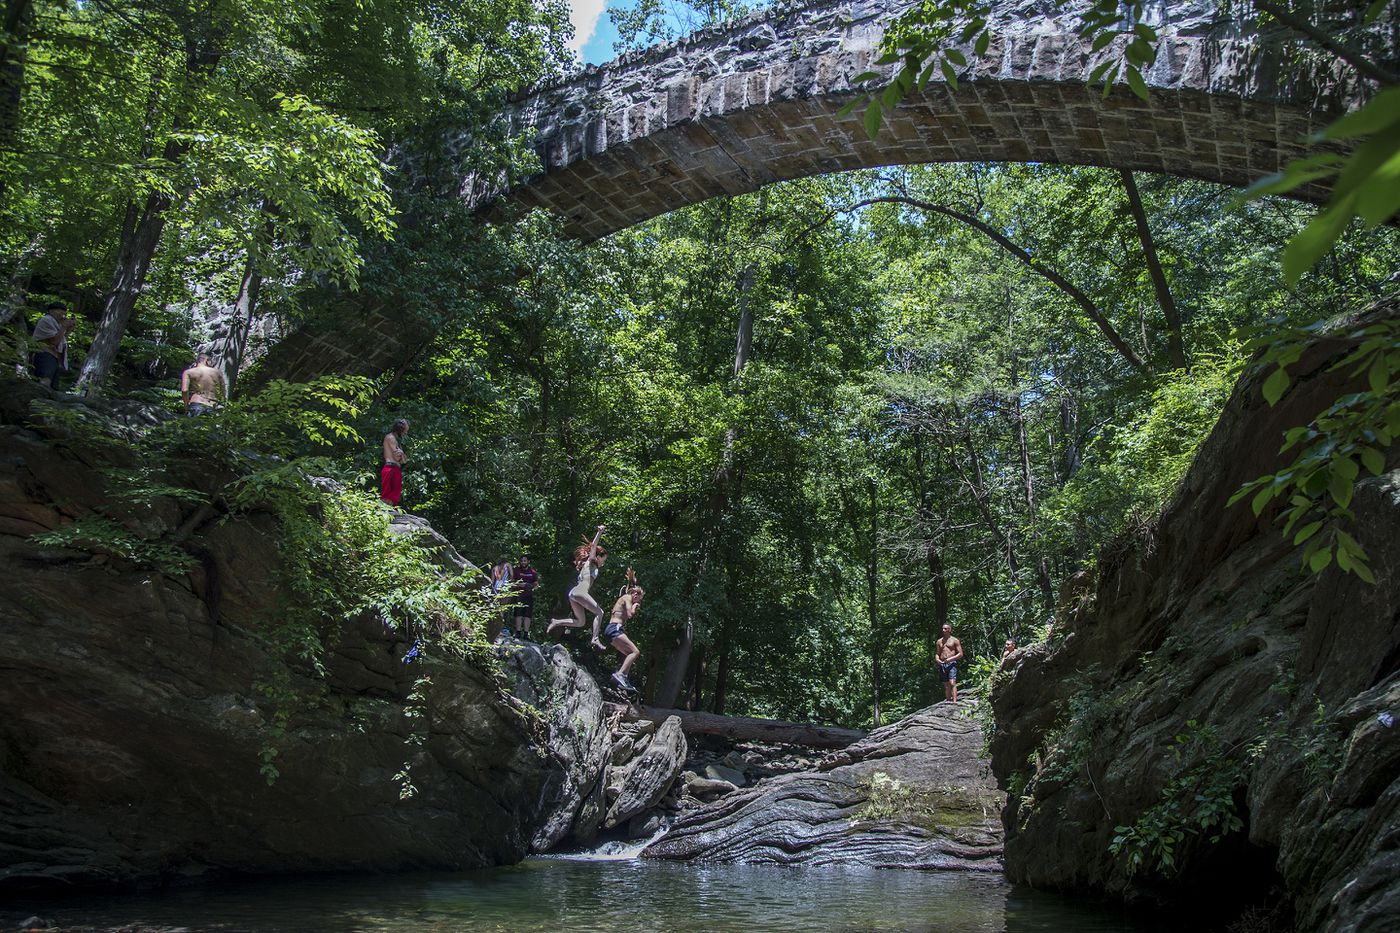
{"type": "Point", "coordinates": [950, 652]}
{"type": "Point", "coordinates": [391, 474]}
{"type": "Point", "coordinates": [51, 333]}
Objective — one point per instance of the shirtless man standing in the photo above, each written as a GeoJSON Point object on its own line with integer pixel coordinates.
{"type": "Point", "coordinates": [950, 652]}
{"type": "Point", "coordinates": [391, 475]}
{"type": "Point", "coordinates": [201, 386]}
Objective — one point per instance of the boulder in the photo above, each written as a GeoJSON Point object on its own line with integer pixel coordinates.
{"type": "Point", "coordinates": [138, 708]}
{"type": "Point", "coordinates": [729, 775]}
{"type": "Point", "coordinates": [1200, 675]}
{"type": "Point", "coordinates": [915, 794]}
{"type": "Point", "coordinates": [546, 679]}
{"type": "Point", "coordinates": [643, 782]}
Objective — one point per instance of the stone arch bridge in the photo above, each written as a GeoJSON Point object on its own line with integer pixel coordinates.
{"type": "Point", "coordinates": [739, 105]}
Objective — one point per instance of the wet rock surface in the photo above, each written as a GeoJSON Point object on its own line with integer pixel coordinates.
{"type": "Point", "coordinates": [133, 730]}
{"type": "Point", "coordinates": [1201, 675]}
{"type": "Point", "coordinates": [914, 794]}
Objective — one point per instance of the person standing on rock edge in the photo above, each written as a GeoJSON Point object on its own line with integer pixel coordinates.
{"type": "Point", "coordinates": [503, 591]}
{"type": "Point", "coordinates": [52, 335]}
{"type": "Point", "coordinates": [950, 652]}
{"type": "Point", "coordinates": [526, 577]}
{"type": "Point", "coordinates": [391, 474]}
{"type": "Point", "coordinates": [587, 558]}
{"type": "Point", "coordinates": [201, 386]}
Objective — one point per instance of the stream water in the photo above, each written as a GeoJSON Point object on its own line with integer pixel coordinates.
{"type": "Point", "coordinates": [562, 894]}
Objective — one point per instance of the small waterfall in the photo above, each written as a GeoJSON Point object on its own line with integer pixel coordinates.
{"type": "Point", "coordinates": [614, 850]}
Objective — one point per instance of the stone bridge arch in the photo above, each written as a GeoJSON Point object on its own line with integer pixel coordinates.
{"type": "Point", "coordinates": [737, 106]}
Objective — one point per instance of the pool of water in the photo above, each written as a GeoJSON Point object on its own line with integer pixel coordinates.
{"type": "Point", "coordinates": [557, 894]}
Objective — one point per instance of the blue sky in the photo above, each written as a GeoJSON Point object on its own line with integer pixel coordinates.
{"type": "Point", "coordinates": [593, 31]}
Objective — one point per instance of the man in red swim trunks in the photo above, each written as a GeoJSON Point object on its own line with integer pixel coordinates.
{"type": "Point", "coordinates": [391, 475]}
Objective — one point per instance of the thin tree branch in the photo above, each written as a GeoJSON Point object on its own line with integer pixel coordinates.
{"type": "Point", "coordinates": [1331, 43]}
{"type": "Point", "coordinates": [1090, 310]}
{"type": "Point", "coordinates": [1176, 350]}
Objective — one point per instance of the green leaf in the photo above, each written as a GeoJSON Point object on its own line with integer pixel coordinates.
{"type": "Point", "coordinates": [1145, 32]}
{"type": "Point", "coordinates": [1312, 242]}
{"type": "Point", "coordinates": [850, 106]}
{"type": "Point", "coordinates": [950, 75]}
{"type": "Point", "coordinates": [1363, 571]}
{"type": "Point", "coordinates": [1306, 532]}
{"type": "Point", "coordinates": [1099, 70]}
{"type": "Point", "coordinates": [872, 121]}
{"type": "Point", "coordinates": [865, 76]}
{"type": "Point", "coordinates": [1262, 499]}
{"type": "Point", "coordinates": [1320, 559]}
{"type": "Point", "coordinates": [1135, 82]}
{"type": "Point", "coordinates": [1109, 79]}
{"type": "Point", "coordinates": [1373, 460]}
{"type": "Point", "coordinates": [1103, 41]}
{"type": "Point", "coordinates": [1374, 11]}
{"type": "Point", "coordinates": [1275, 386]}
{"type": "Point", "coordinates": [983, 41]}
{"type": "Point", "coordinates": [1380, 113]}
{"type": "Point", "coordinates": [1340, 488]}
{"type": "Point", "coordinates": [956, 57]}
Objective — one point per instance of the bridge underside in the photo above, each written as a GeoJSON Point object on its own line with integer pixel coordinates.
{"type": "Point", "coordinates": [601, 188]}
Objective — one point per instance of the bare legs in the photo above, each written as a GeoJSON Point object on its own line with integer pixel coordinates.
{"type": "Point", "coordinates": [630, 653]}
{"type": "Point", "coordinates": [580, 603]}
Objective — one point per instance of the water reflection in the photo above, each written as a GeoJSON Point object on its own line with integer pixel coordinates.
{"type": "Point", "coordinates": [556, 894]}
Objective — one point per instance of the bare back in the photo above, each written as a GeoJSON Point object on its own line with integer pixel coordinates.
{"type": "Point", "coordinates": [202, 385]}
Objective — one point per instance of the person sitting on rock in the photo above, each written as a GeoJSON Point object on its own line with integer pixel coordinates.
{"type": "Point", "coordinates": [629, 600]}
{"type": "Point", "coordinates": [1007, 651]}
{"type": "Point", "coordinates": [391, 475]}
{"type": "Point", "coordinates": [950, 652]}
{"type": "Point", "coordinates": [587, 559]}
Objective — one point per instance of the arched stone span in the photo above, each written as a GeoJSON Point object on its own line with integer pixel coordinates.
{"type": "Point", "coordinates": [737, 106]}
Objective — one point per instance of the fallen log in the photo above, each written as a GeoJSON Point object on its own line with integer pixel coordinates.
{"type": "Point", "coordinates": [745, 728]}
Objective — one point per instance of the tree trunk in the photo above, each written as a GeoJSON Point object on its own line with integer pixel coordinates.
{"type": "Point", "coordinates": [872, 582]}
{"type": "Point", "coordinates": [1176, 350]}
{"type": "Point", "coordinates": [721, 694]}
{"type": "Point", "coordinates": [745, 728]}
{"type": "Point", "coordinates": [940, 596]}
{"type": "Point", "coordinates": [673, 678]}
{"type": "Point", "coordinates": [230, 346]}
{"type": "Point", "coordinates": [14, 53]}
{"type": "Point", "coordinates": [138, 247]}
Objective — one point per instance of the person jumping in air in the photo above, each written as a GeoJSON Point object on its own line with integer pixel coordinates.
{"type": "Point", "coordinates": [629, 600]}
{"type": "Point", "coordinates": [587, 558]}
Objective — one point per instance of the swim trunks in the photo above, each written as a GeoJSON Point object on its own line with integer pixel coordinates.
{"type": "Point", "coordinates": [948, 670]}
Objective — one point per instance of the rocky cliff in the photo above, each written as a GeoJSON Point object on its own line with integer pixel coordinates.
{"type": "Point", "coordinates": [1223, 719]}
{"type": "Point", "coordinates": [134, 730]}
{"type": "Point", "coordinates": [915, 794]}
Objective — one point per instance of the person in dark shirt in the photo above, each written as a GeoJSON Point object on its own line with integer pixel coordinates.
{"type": "Point", "coordinates": [526, 578]}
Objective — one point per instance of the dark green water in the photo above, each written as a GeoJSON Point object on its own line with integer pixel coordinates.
{"type": "Point", "coordinates": [567, 895]}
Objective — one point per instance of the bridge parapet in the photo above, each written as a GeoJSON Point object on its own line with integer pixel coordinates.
{"type": "Point", "coordinates": [734, 107]}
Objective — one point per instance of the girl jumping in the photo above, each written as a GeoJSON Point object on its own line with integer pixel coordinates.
{"type": "Point", "coordinates": [587, 559]}
{"type": "Point", "coordinates": [628, 602]}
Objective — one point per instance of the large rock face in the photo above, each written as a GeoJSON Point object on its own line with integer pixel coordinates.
{"type": "Point", "coordinates": [1203, 678]}
{"type": "Point", "coordinates": [915, 794]}
{"type": "Point", "coordinates": [133, 725]}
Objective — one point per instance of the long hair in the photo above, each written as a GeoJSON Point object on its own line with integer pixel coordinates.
{"type": "Point", "coordinates": [581, 553]}
{"type": "Point", "coordinates": [398, 427]}
{"type": "Point", "coordinates": [630, 586]}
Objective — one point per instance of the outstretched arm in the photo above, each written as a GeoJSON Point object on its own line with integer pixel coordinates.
{"type": "Point", "coordinates": [593, 545]}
